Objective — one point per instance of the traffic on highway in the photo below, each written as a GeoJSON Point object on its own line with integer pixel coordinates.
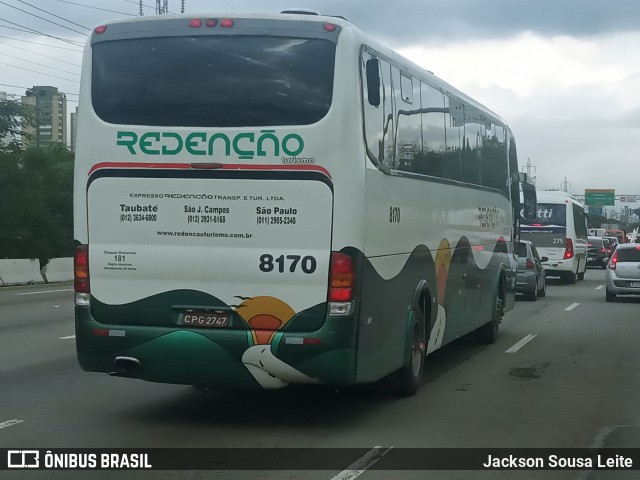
{"type": "Point", "coordinates": [562, 373]}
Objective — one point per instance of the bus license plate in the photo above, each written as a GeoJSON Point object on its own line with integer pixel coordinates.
{"type": "Point", "coordinates": [206, 319]}
{"type": "Point", "coordinates": [635, 284]}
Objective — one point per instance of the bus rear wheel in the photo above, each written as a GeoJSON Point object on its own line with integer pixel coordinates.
{"type": "Point", "coordinates": [407, 379]}
{"type": "Point", "coordinates": [488, 333]}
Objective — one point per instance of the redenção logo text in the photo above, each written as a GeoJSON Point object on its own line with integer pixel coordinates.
{"type": "Point", "coordinates": [245, 145]}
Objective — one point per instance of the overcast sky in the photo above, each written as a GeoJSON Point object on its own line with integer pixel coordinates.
{"type": "Point", "coordinates": [565, 74]}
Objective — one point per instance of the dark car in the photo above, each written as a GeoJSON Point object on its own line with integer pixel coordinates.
{"type": "Point", "coordinates": [530, 278]}
{"type": "Point", "coordinates": [597, 255]}
{"type": "Point", "coordinates": [613, 243]}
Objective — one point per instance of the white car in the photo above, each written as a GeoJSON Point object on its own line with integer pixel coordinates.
{"type": "Point", "coordinates": [623, 272]}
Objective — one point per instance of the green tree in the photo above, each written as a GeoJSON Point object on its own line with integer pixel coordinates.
{"type": "Point", "coordinates": [36, 195]}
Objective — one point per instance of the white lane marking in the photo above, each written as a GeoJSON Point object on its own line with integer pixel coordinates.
{"type": "Point", "coordinates": [571, 307]}
{"type": "Point", "coordinates": [521, 343]}
{"type": "Point", "coordinates": [9, 423]}
{"type": "Point", "coordinates": [46, 291]}
{"type": "Point", "coordinates": [68, 337]}
{"type": "Point", "coordinates": [599, 287]}
{"type": "Point", "coordinates": [361, 465]}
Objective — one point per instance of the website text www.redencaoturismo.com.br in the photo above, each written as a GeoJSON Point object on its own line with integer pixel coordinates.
{"type": "Point", "coordinates": [183, 233]}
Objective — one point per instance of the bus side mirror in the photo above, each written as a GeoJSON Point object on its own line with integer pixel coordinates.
{"type": "Point", "coordinates": [373, 82]}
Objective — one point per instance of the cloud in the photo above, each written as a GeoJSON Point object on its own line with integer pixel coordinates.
{"type": "Point", "coordinates": [572, 103]}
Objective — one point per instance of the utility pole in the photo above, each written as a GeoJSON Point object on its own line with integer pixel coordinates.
{"type": "Point", "coordinates": [564, 185]}
{"type": "Point", "coordinates": [162, 7]}
{"type": "Point", "coordinates": [141, 13]}
{"type": "Point", "coordinates": [530, 168]}
{"type": "Point", "coordinates": [182, 8]}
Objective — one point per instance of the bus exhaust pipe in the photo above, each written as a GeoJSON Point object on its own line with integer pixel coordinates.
{"type": "Point", "coordinates": [126, 366]}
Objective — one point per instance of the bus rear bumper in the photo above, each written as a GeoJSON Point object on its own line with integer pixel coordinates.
{"type": "Point", "coordinates": [221, 359]}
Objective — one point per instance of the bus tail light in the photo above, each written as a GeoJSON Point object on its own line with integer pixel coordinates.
{"type": "Point", "coordinates": [226, 23]}
{"type": "Point", "coordinates": [613, 261]}
{"type": "Point", "coordinates": [341, 283]}
{"type": "Point", "coordinates": [568, 249]}
{"type": "Point", "coordinates": [81, 275]}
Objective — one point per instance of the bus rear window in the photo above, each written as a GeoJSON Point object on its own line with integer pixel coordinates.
{"type": "Point", "coordinates": [213, 81]}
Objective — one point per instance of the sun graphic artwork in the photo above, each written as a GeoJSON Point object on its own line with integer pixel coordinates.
{"type": "Point", "coordinates": [443, 260]}
{"type": "Point", "coordinates": [265, 315]}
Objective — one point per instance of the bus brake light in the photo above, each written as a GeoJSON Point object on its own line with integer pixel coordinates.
{"type": "Point", "coordinates": [211, 22]}
{"type": "Point", "coordinates": [81, 269]}
{"type": "Point", "coordinates": [568, 249]}
{"type": "Point", "coordinates": [341, 277]}
{"type": "Point", "coordinates": [330, 27]}
{"type": "Point", "coordinates": [226, 23]}
{"type": "Point", "coordinates": [100, 29]}
{"type": "Point", "coordinates": [195, 23]}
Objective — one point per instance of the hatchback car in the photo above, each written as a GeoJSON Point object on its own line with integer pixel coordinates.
{"type": "Point", "coordinates": [530, 278]}
{"type": "Point", "coordinates": [623, 274]}
{"type": "Point", "coordinates": [597, 255]}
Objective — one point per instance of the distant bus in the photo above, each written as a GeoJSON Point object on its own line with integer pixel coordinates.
{"type": "Point", "coordinates": [559, 231]}
{"type": "Point", "coordinates": [263, 200]}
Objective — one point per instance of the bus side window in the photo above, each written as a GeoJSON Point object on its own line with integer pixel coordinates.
{"type": "Point", "coordinates": [453, 139]}
{"type": "Point", "coordinates": [408, 121]}
{"type": "Point", "coordinates": [378, 119]}
{"type": "Point", "coordinates": [431, 160]}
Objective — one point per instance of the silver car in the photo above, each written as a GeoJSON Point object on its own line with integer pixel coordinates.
{"type": "Point", "coordinates": [530, 278]}
{"type": "Point", "coordinates": [623, 272]}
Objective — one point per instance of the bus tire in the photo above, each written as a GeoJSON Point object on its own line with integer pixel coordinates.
{"type": "Point", "coordinates": [407, 379]}
{"type": "Point", "coordinates": [488, 333]}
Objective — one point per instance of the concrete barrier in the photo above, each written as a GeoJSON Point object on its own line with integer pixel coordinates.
{"type": "Point", "coordinates": [16, 271]}
{"type": "Point", "coordinates": [58, 270]}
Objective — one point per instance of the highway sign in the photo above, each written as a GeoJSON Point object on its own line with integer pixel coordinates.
{"type": "Point", "coordinates": [600, 197]}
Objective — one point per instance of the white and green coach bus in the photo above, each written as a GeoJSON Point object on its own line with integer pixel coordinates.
{"type": "Point", "coordinates": [263, 200]}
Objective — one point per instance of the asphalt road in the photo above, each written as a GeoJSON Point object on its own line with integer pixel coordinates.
{"type": "Point", "coordinates": [574, 384]}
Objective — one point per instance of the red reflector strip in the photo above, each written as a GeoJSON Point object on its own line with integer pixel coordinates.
{"type": "Point", "coordinates": [101, 332]}
{"type": "Point", "coordinates": [302, 341]}
{"type": "Point", "coordinates": [207, 166]}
